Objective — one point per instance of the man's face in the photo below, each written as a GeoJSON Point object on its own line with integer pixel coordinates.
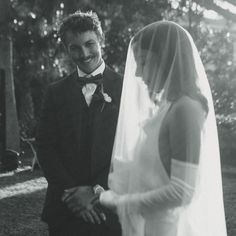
{"type": "Point", "coordinates": [84, 49]}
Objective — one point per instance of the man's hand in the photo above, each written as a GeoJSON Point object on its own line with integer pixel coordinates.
{"type": "Point", "coordinates": [78, 197]}
{"type": "Point", "coordinates": [81, 201]}
{"type": "Point", "coordinates": [93, 212]}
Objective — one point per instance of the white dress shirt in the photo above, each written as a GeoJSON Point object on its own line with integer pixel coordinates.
{"type": "Point", "coordinates": [89, 89]}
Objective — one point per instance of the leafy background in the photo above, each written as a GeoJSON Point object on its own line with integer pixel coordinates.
{"type": "Point", "coordinates": [39, 57]}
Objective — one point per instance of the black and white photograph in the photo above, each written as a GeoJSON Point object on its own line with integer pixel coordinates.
{"type": "Point", "coordinates": [117, 118]}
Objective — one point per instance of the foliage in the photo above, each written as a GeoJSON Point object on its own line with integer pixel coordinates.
{"type": "Point", "coordinates": [216, 48]}
{"type": "Point", "coordinates": [217, 54]}
{"type": "Point", "coordinates": [39, 57]}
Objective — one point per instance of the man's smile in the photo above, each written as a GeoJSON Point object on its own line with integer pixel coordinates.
{"type": "Point", "coordinates": [86, 60]}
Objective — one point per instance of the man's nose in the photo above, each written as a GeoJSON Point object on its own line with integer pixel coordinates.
{"type": "Point", "coordinates": [84, 52]}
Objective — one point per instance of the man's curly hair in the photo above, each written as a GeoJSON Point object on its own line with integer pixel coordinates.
{"type": "Point", "coordinates": [80, 22]}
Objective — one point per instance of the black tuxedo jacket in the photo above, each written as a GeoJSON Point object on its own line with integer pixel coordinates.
{"type": "Point", "coordinates": [74, 141]}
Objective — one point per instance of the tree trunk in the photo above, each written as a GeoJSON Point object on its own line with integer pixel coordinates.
{"type": "Point", "coordinates": [12, 137]}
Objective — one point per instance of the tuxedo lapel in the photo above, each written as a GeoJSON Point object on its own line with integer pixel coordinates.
{"type": "Point", "coordinates": [75, 103]}
{"type": "Point", "coordinates": [108, 82]}
{"type": "Point", "coordinates": [100, 107]}
{"type": "Point", "coordinates": [104, 125]}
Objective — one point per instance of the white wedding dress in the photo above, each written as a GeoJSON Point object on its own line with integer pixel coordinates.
{"type": "Point", "coordinates": [175, 190]}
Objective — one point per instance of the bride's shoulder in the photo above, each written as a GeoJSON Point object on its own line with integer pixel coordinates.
{"type": "Point", "coordinates": [186, 102]}
{"type": "Point", "coordinates": [187, 107]}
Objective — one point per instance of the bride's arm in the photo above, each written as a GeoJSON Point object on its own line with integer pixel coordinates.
{"type": "Point", "coordinates": [178, 192]}
{"type": "Point", "coordinates": [185, 137]}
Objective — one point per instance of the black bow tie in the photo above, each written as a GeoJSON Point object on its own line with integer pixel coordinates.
{"type": "Point", "coordinates": [97, 79]}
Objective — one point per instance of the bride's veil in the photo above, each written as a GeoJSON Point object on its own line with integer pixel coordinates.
{"type": "Point", "coordinates": [162, 65]}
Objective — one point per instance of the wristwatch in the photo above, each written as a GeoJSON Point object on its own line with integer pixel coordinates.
{"type": "Point", "coordinates": [98, 189]}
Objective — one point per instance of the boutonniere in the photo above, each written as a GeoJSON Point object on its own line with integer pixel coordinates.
{"type": "Point", "coordinates": [107, 99]}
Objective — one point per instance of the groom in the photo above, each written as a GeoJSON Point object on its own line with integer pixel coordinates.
{"type": "Point", "coordinates": [76, 134]}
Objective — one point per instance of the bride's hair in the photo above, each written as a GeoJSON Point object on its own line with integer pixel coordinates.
{"type": "Point", "coordinates": [172, 46]}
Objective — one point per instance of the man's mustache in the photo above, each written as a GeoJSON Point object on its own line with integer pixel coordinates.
{"type": "Point", "coordinates": [82, 59]}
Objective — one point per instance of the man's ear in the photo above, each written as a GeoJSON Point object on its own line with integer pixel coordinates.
{"type": "Point", "coordinates": [102, 44]}
{"type": "Point", "coordinates": [102, 41]}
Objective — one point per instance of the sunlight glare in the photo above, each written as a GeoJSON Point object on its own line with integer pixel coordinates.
{"type": "Point", "coordinates": [26, 187]}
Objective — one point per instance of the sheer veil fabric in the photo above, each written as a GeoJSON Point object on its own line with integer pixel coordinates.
{"type": "Point", "coordinates": [162, 66]}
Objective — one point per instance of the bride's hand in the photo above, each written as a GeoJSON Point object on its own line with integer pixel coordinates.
{"type": "Point", "coordinates": [109, 200]}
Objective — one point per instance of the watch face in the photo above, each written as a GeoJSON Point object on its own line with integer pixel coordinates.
{"type": "Point", "coordinates": [98, 189]}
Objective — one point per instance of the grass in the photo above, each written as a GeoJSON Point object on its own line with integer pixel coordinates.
{"type": "Point", "coordinates": [22, 195]}
{"type": "Point", "coordinates": [21, 200]}
{"type": "Point", "coordinates": [229, 189]}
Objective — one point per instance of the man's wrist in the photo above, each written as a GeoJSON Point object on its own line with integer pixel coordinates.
{"type": "Point", "coordinates": [98, 189]}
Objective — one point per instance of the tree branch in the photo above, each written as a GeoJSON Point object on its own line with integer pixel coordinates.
{"type": "Point", "coordinates": [210, 5]}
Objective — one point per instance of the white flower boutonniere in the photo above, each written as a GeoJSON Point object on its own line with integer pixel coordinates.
{"type": "Point", "coordinates": [107, 99]}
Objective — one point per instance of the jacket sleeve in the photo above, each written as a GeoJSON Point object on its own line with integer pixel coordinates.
{"type": "Point", "coordinates": [48, 146]}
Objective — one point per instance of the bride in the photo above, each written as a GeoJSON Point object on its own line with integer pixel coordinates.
{"type": "Point", "coordinates": [165, 177]}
